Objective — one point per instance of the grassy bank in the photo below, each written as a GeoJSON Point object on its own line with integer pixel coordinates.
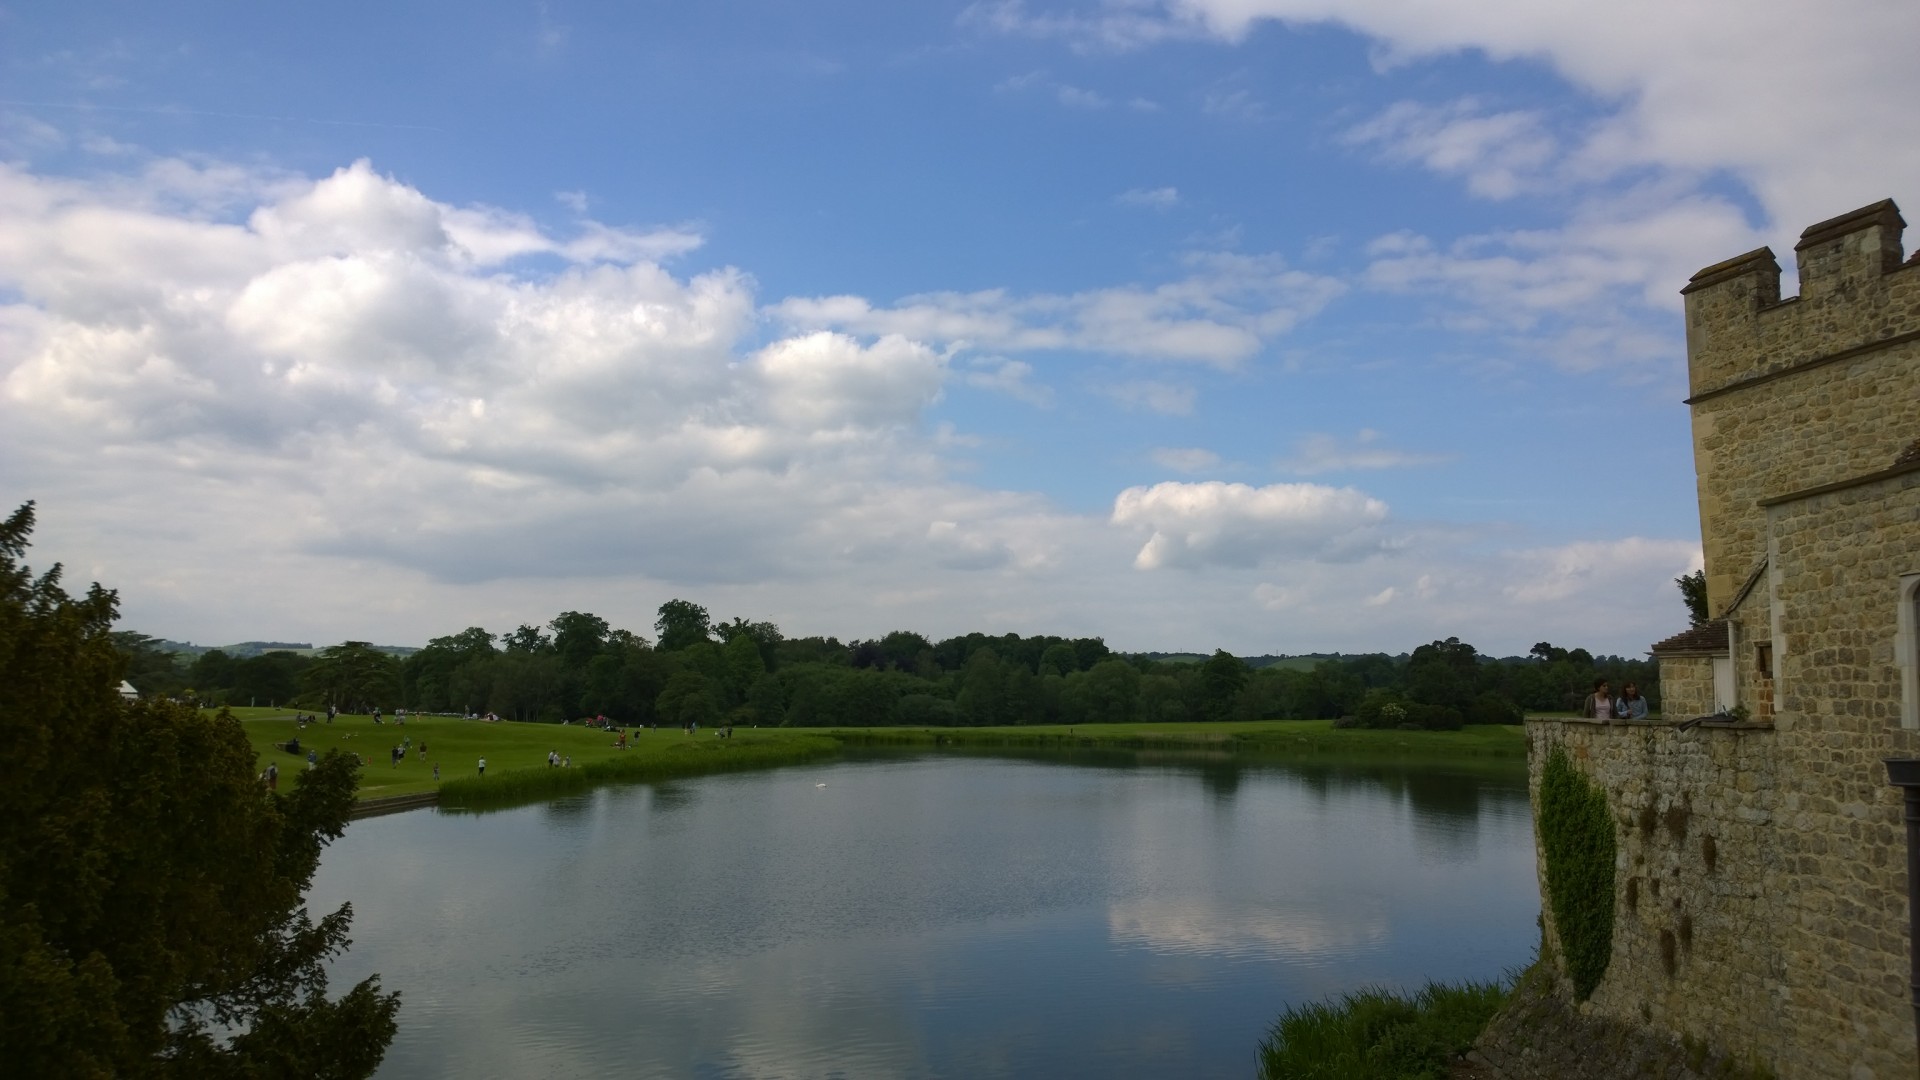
{"type": "Point", "coordinates": [689, 758]}
{"type": "Point", "coordinates": [517, 753]}
{"type": "Point", "coordinates": [457, 746]}
{"type": "Point", "coordinates": [1380, 1035]}
{"type": "Point", "coordinates": [1305, 737]}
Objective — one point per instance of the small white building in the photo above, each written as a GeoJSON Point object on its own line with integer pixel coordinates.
{"type": "Point", "coordinates": [127, 692]}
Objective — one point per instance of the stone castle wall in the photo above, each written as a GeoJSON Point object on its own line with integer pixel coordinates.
{"type": "Point", "coordinates": [1686, 686]}
{"type": "Point", "coordinates": [1760, 891]}
{"type": "Point", "coordinates": [1760, 881]}
{"type": "Point", "coordinates": [1791, 394]}
{"type": "Point", "coordinates": [1838, 558]}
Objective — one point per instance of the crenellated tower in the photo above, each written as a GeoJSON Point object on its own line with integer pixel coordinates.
{"type": "Point", "coordinates": [1791, 394]}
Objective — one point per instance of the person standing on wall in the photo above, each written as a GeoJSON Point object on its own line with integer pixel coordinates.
{"type": "Point", "coordinates": [1631, 705]}
{"type": "Point", "coordinates": [1599, 705]}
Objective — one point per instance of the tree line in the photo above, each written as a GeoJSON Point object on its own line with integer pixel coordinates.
{"type": "Point", "coordinates": [697, 670]}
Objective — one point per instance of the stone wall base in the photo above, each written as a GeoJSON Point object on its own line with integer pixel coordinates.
{"type": "Point", "coordinates": [1542, 1035]}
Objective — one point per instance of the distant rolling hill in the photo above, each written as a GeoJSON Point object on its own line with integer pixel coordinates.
{"type": "Point", "coordinates": [246, 649]}
{"type": "Point", "coordinates": [1293, 663]}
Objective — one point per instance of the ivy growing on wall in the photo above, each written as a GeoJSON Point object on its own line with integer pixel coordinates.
{"type": "Point", "coordinates": [1576, 835]}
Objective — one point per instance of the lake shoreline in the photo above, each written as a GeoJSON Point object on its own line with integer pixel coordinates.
{"type": "Point", "coordinates": [518, 770]}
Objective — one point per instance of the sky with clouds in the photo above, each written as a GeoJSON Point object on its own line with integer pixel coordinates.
{"type": "Point", "coordinates": [1271, 325]}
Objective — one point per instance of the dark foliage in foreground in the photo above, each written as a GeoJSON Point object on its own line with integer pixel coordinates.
{"type": "Point", "coordinates": [151, 922]}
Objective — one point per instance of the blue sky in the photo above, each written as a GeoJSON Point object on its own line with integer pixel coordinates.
{"type": "Point", "coordinates": [1273, 325]}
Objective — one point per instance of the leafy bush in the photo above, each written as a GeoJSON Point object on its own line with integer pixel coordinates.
{"type": "Point", "coordinates": [1422, 717]}
{"type": "Point", "coordinates": [1492, 708]}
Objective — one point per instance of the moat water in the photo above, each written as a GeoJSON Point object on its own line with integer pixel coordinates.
{"type": "Point", "coordinates": [928, 916]}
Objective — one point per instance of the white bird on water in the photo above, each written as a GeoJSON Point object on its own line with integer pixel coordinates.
{"type": "Point", "coordinates": [822, 783]}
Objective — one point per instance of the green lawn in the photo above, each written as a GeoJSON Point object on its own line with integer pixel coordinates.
{"type": "Point", "coordinates": [457, 745]}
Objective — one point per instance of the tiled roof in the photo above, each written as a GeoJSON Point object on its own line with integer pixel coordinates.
{"type": "Point", "coordinates": [1710, 639]}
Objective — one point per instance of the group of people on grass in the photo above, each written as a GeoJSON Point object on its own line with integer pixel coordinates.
{"type": "Point", "coordinates": [1602, 705]}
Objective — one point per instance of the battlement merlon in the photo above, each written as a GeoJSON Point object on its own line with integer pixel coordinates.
{"type": "Point", "coordinates": [1849, 250]}
{"type": "Point", "coordinates": [1738, 326]}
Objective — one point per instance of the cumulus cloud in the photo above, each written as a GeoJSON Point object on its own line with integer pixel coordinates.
{"type": "Point", "coordinates": [1319, 453]}
{"type": "Point", "coordinates": [376, 347]}
{"type": "Point", "coordinates": [1212, 523]}
{"type": "Point", "coordinates": [361, 401]}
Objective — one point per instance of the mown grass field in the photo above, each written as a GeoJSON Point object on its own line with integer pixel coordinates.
{"type": "Point", "coordinates": [458, 745]}
{"type": "Point", "coordinates": [517, 753]}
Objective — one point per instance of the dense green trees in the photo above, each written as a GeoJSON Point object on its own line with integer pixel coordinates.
{"type": "Point", "coordinates": [1693, 591]}
{"type": "Point", "coordinates": [150, 892]}
{"type": "Point", "coordinates": [578, 665]}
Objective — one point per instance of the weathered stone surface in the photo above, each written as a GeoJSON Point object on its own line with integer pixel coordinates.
{"type": "Point", "coordinates": [1540, 1035]}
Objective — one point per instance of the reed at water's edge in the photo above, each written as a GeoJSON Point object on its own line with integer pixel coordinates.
{"type": "Point", "coordinates": [1376, 1034]}
{"type": "Point", "coordinates": [1288, 737]}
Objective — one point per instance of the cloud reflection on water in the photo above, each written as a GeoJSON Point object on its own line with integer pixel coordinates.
{"type": "Point", "coordinates": [921, 917]}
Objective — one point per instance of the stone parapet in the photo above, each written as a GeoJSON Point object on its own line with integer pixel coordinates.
{"type": "Point", "coordinates": [1756, 898]}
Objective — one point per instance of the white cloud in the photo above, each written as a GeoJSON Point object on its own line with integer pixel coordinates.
{"type": "Point", "coordinates": [1169, 399]}
{"type": "Point", "coordinates": [550, 38]}
{"type": "Point", "coordinates": [1068, 95]}
{"type": "Point", "coordinates": [1694, 89]}
{"type": "Point", "coordinates": [1677, 102]}
{"type": "Point", "coordinates": [1222, 313]}
{"type": "Point", "coordinates": [829, 382]}
{"type": "Point", "coordinates": [1320, 453]}
{"type": "Point", "coordinates": [1558, 574]}
{"type": "Point", "coordinates": [1013, 378]}
{"type": "Point", "coordinates": [1599, 292]}
{"type": "Point", "coordinates": [1500, 154]}
{"type": "Point", "coordinates": [344, 394]}
{"type": "Point", "coordinates": [1186, 459]}
{"type": "Point", "coordinates": [1237, 525]}
{"type": "Point", "coordinates": [1075, 97]}
{"type": "Point", "coordinates": [1163, 198]}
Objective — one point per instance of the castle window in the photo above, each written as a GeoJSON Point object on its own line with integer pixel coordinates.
{"type": "Point", "coordinates": [1763, 658]}
{"type": "Point", "coordinates": [1906, 650]}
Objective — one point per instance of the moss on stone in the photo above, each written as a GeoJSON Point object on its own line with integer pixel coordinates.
{"type": "Point", "coordinates": [1577, 840]}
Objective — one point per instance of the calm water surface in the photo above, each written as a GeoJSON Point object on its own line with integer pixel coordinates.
{"type": "Point", "coordinates": [945, 916]}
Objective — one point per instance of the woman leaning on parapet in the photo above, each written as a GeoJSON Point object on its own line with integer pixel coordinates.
{"type": "Point", "coordinates": [1630, 705]}
{"type": "Point", "coordinates": [1599, 704]}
